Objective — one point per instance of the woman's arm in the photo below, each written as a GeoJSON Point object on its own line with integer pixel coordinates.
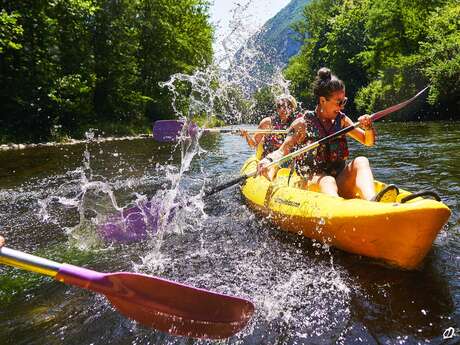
{"type": "Point", "coordinates": [366, 134]}
{"type": "Point", "coordinates": [296, 133]}
{"type": "Point", "coordinates": [2, 241]}
{"type": "Point", "coordinates": [266, 123]}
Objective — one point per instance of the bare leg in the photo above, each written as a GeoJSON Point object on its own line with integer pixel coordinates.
{"type": "Point", "coordinates": [326, 184]}
{"type": "Point", "coordinates": [357, 175]}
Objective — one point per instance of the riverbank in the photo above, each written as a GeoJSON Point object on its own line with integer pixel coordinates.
{"type": "Point", "coordinates": [201, 121]}
{"type": "Point", "coordinates": [12, 146]}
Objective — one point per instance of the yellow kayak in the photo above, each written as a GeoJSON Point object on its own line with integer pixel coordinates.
{"type": "Point", "coordinates": [400, 234]}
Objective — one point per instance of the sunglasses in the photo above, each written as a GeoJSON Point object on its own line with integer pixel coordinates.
{"type": "Point", "coordinates": [282, 105]}
{"type": "Point", "coordinates": [341, 102]}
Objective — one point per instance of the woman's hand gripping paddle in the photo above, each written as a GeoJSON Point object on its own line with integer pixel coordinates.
{"type": "Point", "coordinates": [154, 302]}
{"type": "Point", "coordinates": [171, 130]}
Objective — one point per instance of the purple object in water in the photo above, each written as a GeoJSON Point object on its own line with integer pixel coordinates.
{"type": "Point", "coordinates": [133, 224]}
{"type": "Point", "coordinates": [170, 130]}
{"type": "Point", "coordinates": [167, 130]}
{"type": "Point", "coordinates": [193, 129]}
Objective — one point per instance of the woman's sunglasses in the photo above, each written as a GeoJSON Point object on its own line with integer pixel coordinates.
{"type": "Point", "coordinates": [341, 102]}
{"type": "Point", "coordinates": [283, 105]}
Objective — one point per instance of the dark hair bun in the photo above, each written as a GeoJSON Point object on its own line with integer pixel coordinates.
{"type": "Point", "coordinates": [326, 83]}
{"type": "Point", "coordinates": [324, 73]}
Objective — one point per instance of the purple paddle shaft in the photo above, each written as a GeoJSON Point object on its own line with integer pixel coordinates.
{"type": "Point", "coordinates": [163, 304]}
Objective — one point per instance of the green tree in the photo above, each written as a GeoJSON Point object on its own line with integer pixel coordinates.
{"type": "Point", "coordinates": [67, 65]}
{"type": "Point", "coordinates": [176, 38]}
{"type": "Point", "coordinates": [384, 50]}
{"type": "Point", "coordinates": [440, 53]}
{"type": "Point", "coordinates": [117, 95]}
{"type": "Point", "coordinates": [392, 60]}
{"type": "Point", "coordinates": [73, 90]}
{"type": "Point", "coordinates": [264, 104]}
{"type": "Point", "coordinates": [346, 40]}
{"type": "Point", "coordinates": [10, 31]}
{"type": "Point", "coordinates": [28, 73]}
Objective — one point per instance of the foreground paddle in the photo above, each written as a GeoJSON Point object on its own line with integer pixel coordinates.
{"type": "Point", "coordinates": [154, 302]}
{"type": "Point", "coordinates": [170, 130]}
{"type": "Point", "coordinates": [376, 116]}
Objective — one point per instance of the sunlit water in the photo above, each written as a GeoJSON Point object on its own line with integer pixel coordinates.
{"type": "Point", "coordinates": [304, 292]}
{"type": "Point", "coordinates": [52, 200]}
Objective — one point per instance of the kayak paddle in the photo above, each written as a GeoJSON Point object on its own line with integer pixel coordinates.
{"type": "Point", "coordinates": [376, 116]}
{"type": "Point", "coordinates": [170, 130]}
{"type": "Point", "coordinates": [137, 223]}
{"type": "Point", "coordinates": [154, 302]}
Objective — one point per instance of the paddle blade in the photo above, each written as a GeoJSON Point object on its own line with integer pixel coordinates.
{"type": "Point", "coordinates": [182, 310]}
{"type": "Point", "coordinates": [136, 223]}
{"type": "Point", "coordinates": [167, 130]}
{"type": "Point", "coordinates": [165, 305]}
{"type": "Point", "coordinates": [131, 225]}
{"type": "Point", "coordinates": [170, 130]}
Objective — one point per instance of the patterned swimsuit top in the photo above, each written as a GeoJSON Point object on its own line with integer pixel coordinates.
{"type": "Point", "coordinates": [272, 142]}
{"type": "Point", "coordinates": [328, 157]}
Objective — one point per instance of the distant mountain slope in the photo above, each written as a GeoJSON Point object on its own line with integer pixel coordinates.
{"type": "Point", "coordinates": [269, 49]}
{"type": "Point", "coordinates": [277, 37]}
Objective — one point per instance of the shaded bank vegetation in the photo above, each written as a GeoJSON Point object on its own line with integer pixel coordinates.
{"type": "Point", "coordinates": [69, 65]}
{"type": "Point", "coordinates": [384, 50]}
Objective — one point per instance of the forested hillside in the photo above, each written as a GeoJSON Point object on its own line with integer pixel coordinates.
{"type": "Point", "coordinates": [277, 36]}
{"type": "Point", "coordinates": [384, 50]}
{"type": "Point", "coordinates": [68, 65]}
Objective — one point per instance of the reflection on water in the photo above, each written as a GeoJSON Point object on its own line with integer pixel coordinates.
{"type": "Point", "coordinates": [304, 292]}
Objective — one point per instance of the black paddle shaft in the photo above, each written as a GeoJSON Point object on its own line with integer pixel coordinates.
{"type": "Point", "coordinates": [225, 185]}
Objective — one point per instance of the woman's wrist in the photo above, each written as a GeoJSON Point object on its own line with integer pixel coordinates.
{"type": "Point", "coordinates": [274, 156]}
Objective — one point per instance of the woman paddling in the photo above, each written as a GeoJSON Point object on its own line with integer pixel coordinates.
{"type": "Point", "coordinates": [327, 166]}
{"type": "Point", "coordinates": [286, 106]}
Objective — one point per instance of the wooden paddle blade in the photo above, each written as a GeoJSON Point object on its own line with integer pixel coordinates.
{"type": "Point", "coordinates": [165, 305]}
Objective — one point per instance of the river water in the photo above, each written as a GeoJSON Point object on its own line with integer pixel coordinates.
{"type": "Point", "coordinates": [304, 292]}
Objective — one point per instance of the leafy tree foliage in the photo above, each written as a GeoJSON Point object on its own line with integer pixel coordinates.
{"type": "Point", "coordinates": [176, 39]}
{"type": "Point", "coordinates": [384, 50]}
{"type": "Point", "coordinates": [10, 31]}
{"type": "Point", "coordinates": [440, 56]}
{"type": "Point", "coordinates": [68, 65]}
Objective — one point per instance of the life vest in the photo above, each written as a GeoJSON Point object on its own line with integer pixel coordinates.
{"type": "Point", "coordinates": [328, 157]}
{"type": "Point", "coordinates": [272, 142]}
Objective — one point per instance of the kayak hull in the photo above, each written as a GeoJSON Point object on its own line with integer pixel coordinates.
{"type": "Point", "coordinates": [400, 234]}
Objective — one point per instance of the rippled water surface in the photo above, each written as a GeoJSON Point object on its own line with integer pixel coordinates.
{"type": "Point", "coordinates": [304, 292]}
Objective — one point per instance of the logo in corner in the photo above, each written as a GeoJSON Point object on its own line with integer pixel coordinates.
{"type": "Point", "coordinates": [449, 333]}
